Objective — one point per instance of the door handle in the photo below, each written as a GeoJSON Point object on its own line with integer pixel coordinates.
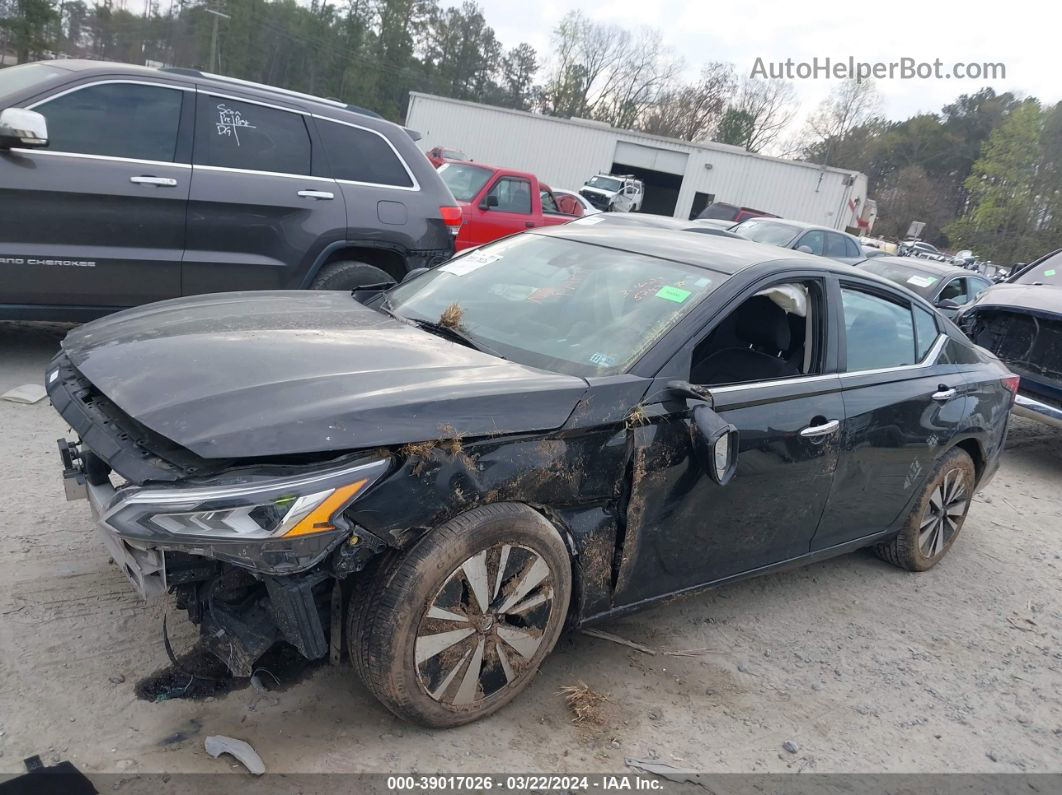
{"type": "Point", "coordinates": [529, 224]}
{"type": "Point", "coordinates": [162, 182]}
{"type": "Point", "coordinates": [316, 194]}
{"type": "Point", "coordinates": [944, 394]}
{"type": "Point", "coordinates": [821, 430]}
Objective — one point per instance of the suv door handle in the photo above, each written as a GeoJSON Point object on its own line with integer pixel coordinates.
{"type": "Point", "coordinates": [162, 182]}
{"type": "Point", "coordinates": [529, 224]}
{"type": "Point", "coordinates": [821, 430]}
{"type": "Point", "coordinates": [316, 194]}
{"type": "Point", "coordinates": [944, 394]}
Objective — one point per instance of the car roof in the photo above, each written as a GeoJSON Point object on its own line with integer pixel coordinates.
{"type": "Point", "coordinates": [797, 224]}
{"type": "Point", "coordinates": [716, 252]}
{"type": "Point", "coordinates": [219, 82]}
{"type": "Point", "coordinates": [925, 266]}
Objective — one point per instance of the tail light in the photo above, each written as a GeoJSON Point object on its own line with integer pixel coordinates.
{"type": "Point", "coordinates": [451, 216]}
{"type": "Point", "coordinates": [1010, 383]}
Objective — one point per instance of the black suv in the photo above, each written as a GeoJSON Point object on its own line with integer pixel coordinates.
{"type": "Point", "coordinates": [121, 185]}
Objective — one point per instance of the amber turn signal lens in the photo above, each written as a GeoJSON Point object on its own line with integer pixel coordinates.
{"type": "Point", "coordinates": [319, 520]}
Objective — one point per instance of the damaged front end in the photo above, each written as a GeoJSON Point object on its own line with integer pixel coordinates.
{"type": "Point", "coordinates": [253, 553]}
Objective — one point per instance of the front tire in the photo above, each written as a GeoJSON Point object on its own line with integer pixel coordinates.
{"type": "Point", "coordinates": [936, 517]}
{"type": "Point", "coordinates": [454, 629]}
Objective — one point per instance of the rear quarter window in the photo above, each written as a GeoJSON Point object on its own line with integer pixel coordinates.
{"type": "Point", "coordinates": [359, 155]}
{"type": "Point", "coordinates": [252, 137]}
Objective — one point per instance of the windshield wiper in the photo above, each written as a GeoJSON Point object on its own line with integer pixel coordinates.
{"type": "Point", "coordinates": [451, 333]}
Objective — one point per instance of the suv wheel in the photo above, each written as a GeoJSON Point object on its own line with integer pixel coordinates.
{"type": "Point", "coordinates": [936, 518]}
{"type": "Point", "coordinates": [349, 275]}
{"type": "Point", "coordinates": [457, 627]}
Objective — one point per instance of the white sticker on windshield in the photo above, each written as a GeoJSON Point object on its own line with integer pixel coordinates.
{"type": "Point", "coordinates": [462, 266]}
{"type": "Point", "coordinates": [922, 281]}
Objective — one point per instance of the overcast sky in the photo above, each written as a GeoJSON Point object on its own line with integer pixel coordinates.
{"type": "Point", "coordinates": [1022, 34]}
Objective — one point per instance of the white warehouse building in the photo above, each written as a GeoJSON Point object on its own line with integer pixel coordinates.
{"type": "Point", "coordinates": [681, 178]}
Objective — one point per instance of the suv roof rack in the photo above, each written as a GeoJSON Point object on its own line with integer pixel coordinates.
{"type": "Point", "coordinates": [181, 70]}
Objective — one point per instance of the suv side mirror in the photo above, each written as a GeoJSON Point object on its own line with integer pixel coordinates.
{"type": "Point", "coordinates": [947, 303]}
{"type": "Point", "coordinates": [488, 202]}
{"type": "Point", "coordinates": [23, 128]}
{"type": "Point", "coordinates": [805, 249]}
{"type": "Point", "coordinates": [716, 444]}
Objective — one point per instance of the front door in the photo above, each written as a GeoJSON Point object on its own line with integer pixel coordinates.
{"type": "Point", "coordinates": [257, 215]}
{"type": "Point", "coordinates": [510, 215]}
{"type": "Point", "coordinates": [682, 529]}
{"type": "Point", "coordinates": [903, 404]}
{"type": "Point", "coordinates": [97, 218]}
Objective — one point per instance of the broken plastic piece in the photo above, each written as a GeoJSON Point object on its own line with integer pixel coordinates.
{"type": "Point", "coordinates": [217, 744]}
{"type": "Point", "coordinates": [27, 393]}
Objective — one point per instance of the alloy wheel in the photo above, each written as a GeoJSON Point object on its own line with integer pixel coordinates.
{"type": "Point", "coordinates": [943, 514]}
{"type": "Point", "coordinates": [483, 627]}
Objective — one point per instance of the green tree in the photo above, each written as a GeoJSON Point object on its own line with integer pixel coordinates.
{"type": "Point", "coordinates": [30, 29]}
{"type": "Point", "coordinates": [736, 127]}
{"type": "Point", "coordinates": [1005, 187]}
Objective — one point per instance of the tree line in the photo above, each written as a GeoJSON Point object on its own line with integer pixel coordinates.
{"type": "Point", "coordinates": [981, 172]}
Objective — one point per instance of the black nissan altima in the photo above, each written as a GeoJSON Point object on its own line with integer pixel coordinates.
{"type": "Point", "coordinates": [547, 431]}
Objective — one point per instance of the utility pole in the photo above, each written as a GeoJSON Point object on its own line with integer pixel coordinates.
{"type": "Point", "coordinates": [214, 66]}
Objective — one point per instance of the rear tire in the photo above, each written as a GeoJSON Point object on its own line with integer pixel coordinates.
{"type": "Point", "coordinates": [349, 275]}
{"type": "Point", "coordinates": [456, 627]}
{"type": "Point", "coordinates": [936, 517]}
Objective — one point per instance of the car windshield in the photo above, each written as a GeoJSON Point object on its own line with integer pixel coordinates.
{"type": "Point", "coordinates": [767, 232]}
{"type": "Point", "coordinates": [27, 76]}
{"type": "Point", "coordinates": [464, 181]}
{"type": "Point", "coordinates": [913, 279]}
{"type": "Point", "coordinates": [1047, 272]}
{"type": "Point", "coordinates": [556, 304]}
{"type": "Point", "coordinates": [604, 183]}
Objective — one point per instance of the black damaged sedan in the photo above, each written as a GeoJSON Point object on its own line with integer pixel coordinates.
{"type": "Point", "coordinates": [550, 430]}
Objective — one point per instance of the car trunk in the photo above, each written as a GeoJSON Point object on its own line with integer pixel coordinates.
{"type": "Point", "coordinates": [1029, 343]}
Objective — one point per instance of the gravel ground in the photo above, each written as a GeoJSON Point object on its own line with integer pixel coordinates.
{"type": "Point", "coordinates": [862, 667]}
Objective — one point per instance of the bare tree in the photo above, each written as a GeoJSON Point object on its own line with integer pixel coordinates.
{"type": "Point", "coordinates": [691, 111]}
{"type": "Point", "coordinates": [851, 104]}
{"type": "Point", "coordinates": [642, 70]}
{"type": "Point", "coordinates": [765, 108]}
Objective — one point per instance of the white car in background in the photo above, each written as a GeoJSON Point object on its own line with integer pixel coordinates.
{"type": "Point", "coordinates": [614, 192]}
{"type": "Point", "coordinates": [570, 202]}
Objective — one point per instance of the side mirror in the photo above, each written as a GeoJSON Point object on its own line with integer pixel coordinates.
{"type": "Point", "coordinates": [947, 303]}
{"type": "Point", "coordinates": [488, 202]}
{"type": "Point", "coordinates": [716, 444]}
{"type": "Point", "coordinates": [23, 128]}
{"type": "Point", "coordinates": [805, 249]}
{"type": "Point", "coordinates": [684, 389]}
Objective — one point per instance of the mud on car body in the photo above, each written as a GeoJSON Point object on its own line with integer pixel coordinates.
{"type": "Point", "coordinates": [552, 429]}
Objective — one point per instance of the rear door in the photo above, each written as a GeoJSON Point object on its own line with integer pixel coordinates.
{"type": "Point", "coordinates": [97, 219]}
{"type": "Point", "coordinates": [259, 211]}
{"type": "Point", "coordinates": [903, 403]}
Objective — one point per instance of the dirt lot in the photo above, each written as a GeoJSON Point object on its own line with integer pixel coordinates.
{"type": "Point", "coordinates": [862, 666]}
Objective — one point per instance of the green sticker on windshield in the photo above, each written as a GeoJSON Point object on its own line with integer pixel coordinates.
{"type": "Point", "coordinates": [670, 293]}
{"type": "Point", "coordinates": [1050, 272]}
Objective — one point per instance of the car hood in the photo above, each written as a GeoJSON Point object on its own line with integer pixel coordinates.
{"type": "Point", "coordinates": [1032, 298]}
{"type": "Point", "coordinates": [238, 375]}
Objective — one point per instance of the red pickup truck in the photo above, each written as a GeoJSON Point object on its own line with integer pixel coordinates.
{"type": "Point", "coordinates": [496, 202]}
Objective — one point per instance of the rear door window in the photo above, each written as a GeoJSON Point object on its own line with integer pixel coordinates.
{"type": "Point", "coordinates": [251, 137]}
{"type": "Point", "coordinates": [130, 120]}
{"type": "Point", "coordinates": [878, 333]}
{"type": "Point", "coordinates": [835, 245]}
{"type": "Point", "coordinates": [359, 155]}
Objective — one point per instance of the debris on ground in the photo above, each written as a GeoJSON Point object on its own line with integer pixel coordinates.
{"type": "Point", "coordinates": [27, 393]}
{"type": "Point", "coordinates": [664, 770]}
{"type": "Point", "coordinates": [584, 703]}
{"type": "Point", "coordinates": [790, 746]}
{"type": "Point", "coordinates": [217, 744]}
{"type": "Point", "coordinates": [451, 316]}
{"type": "Point", "coordinates": [691, 652]}
{"type": "Point", "coordinates": [597, 633]}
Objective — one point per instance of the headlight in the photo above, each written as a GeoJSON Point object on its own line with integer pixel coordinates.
{"type": "Point", "coordinates": [265, 509]}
